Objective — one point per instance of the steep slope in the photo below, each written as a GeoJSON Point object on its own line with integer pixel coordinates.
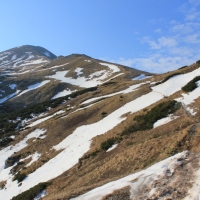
{"type": "Point", "coordinates": [101, 141]}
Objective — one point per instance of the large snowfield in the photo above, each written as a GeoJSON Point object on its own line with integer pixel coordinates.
{"type": "Point", "coordinates": [78, 143]}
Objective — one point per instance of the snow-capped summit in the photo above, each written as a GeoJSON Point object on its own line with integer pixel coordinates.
{"type": "Point", "coordinates": [24, 56]}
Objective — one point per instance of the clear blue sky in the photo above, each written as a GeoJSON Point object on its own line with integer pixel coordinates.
{"type": "Point", "coordinates": [151, 35]}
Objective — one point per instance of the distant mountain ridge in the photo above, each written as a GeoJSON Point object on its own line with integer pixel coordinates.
{"type": "Point", "coordinates": [41, 75]}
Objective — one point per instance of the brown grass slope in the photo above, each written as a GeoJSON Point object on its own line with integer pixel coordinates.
{"type": "Point", "coordinates": [134, 152]}
{"type": "Point", "coordinates": [137, 151]}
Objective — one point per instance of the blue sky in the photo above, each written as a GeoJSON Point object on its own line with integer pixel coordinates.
{"type": "Point", "coordinates": [150, 35]}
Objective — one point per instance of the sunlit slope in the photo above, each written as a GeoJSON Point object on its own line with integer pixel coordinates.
{"type": "Point", "coordinates": [89, 138]}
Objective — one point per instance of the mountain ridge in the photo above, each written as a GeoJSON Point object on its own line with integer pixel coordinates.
{"type": "Point", "coordinates": [70, 73]}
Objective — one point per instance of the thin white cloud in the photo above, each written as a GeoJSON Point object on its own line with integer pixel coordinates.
{"type": "Point", "coordinates": [192, 16]}
{"type": "Point", "coordinates": [192, 39]}
{"type": "Point", "coordinates": [176, 46]}
{"type": "Point", "coordinates": [161, 42]}
{"type": "Point", "coordinates": [183, 51]}
{"type": "Point", "coordinates": [182, 28]}
{"type": "Point", "coordinates": [155, 63]}
{"type": "Point", "coordinates": [167, 42]}
{"type": "Point", "coordinates": [195, 2]}
{"type": "Point", "coordinates": [191, 10]}
{"type": "Point", "coordinates": [158, 30]}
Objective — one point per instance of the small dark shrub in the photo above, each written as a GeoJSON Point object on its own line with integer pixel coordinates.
{"type": "Point", "coordinates": [183, 67]}
{"type": "Point", "coordinates": [5, 141]}
{"type": "Point", "coordinates": [32, 192]}
{"type": "Point", "coordinates": [109, 83]}
{"type": "Point", "coordinates": [104, 114]}
{"type": "Point", "coordinates": [146, 121]}
{"type": "Point", "coordinates": [12, 160]}
{"type": "Point", "coordinates": [190, 86]}
{"type": "Point", "coordinates": [109, 143]}
{"type": "Point", "coordinates": [93, 154]}
{"type": "Point", "coordinates": [19, 177]}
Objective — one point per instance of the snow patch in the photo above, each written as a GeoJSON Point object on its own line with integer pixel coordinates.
{"type": "Point", "coordinates": [165, 120]}
{"type": "Point", "coordinates": [128, 90]}
{"type": "Point", "coordinates": [12, 136]}
{"type": "Point", "coordinates": [41, 195]}
{"type": "Point", "coordinates": [141, 76]}
{"type": "Point", "coordinates": [47, 54]}
{"type": "Point", "coordinates": [9, 96]}
{"type": "Point", "coordinates": [35, 62]}
{"type": "Point", "coordinates": [45, 118]}
{"type": "Point", "coordinates": [14, 57]}
{"type": "Point", "coordinates": [112, 67]}
{"type": "Point", "coordinates": [113, 147]}
{"type": "Point", "coordinates": [8, 151]}
{"type": "Point", "coordinates": [189, 98]}
{"type": "Point", "coordinates": [34, 86]}
{"type": "Point", "coordinates": [62, 94]}
{"type": "Point", "coordinates": [12, 86]}
{"type": "Point", "coordinates": [78, 71]}
{"type": "Point", "coordinates": [59, 66]}
{"type": "Point", "coordinates": [34, 157]}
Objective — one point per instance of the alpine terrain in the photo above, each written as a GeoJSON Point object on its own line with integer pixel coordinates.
{"type": "Point", "coordinates": [78, 128]}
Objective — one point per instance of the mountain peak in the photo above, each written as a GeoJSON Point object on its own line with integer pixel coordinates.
{"type": "Point", "coordinates": [26, 55]}
{"type": "Point", "coordinates": [38, 50]}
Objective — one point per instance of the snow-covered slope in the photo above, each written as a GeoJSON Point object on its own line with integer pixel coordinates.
{"type": "Point", "coordinates": [85, 136]}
